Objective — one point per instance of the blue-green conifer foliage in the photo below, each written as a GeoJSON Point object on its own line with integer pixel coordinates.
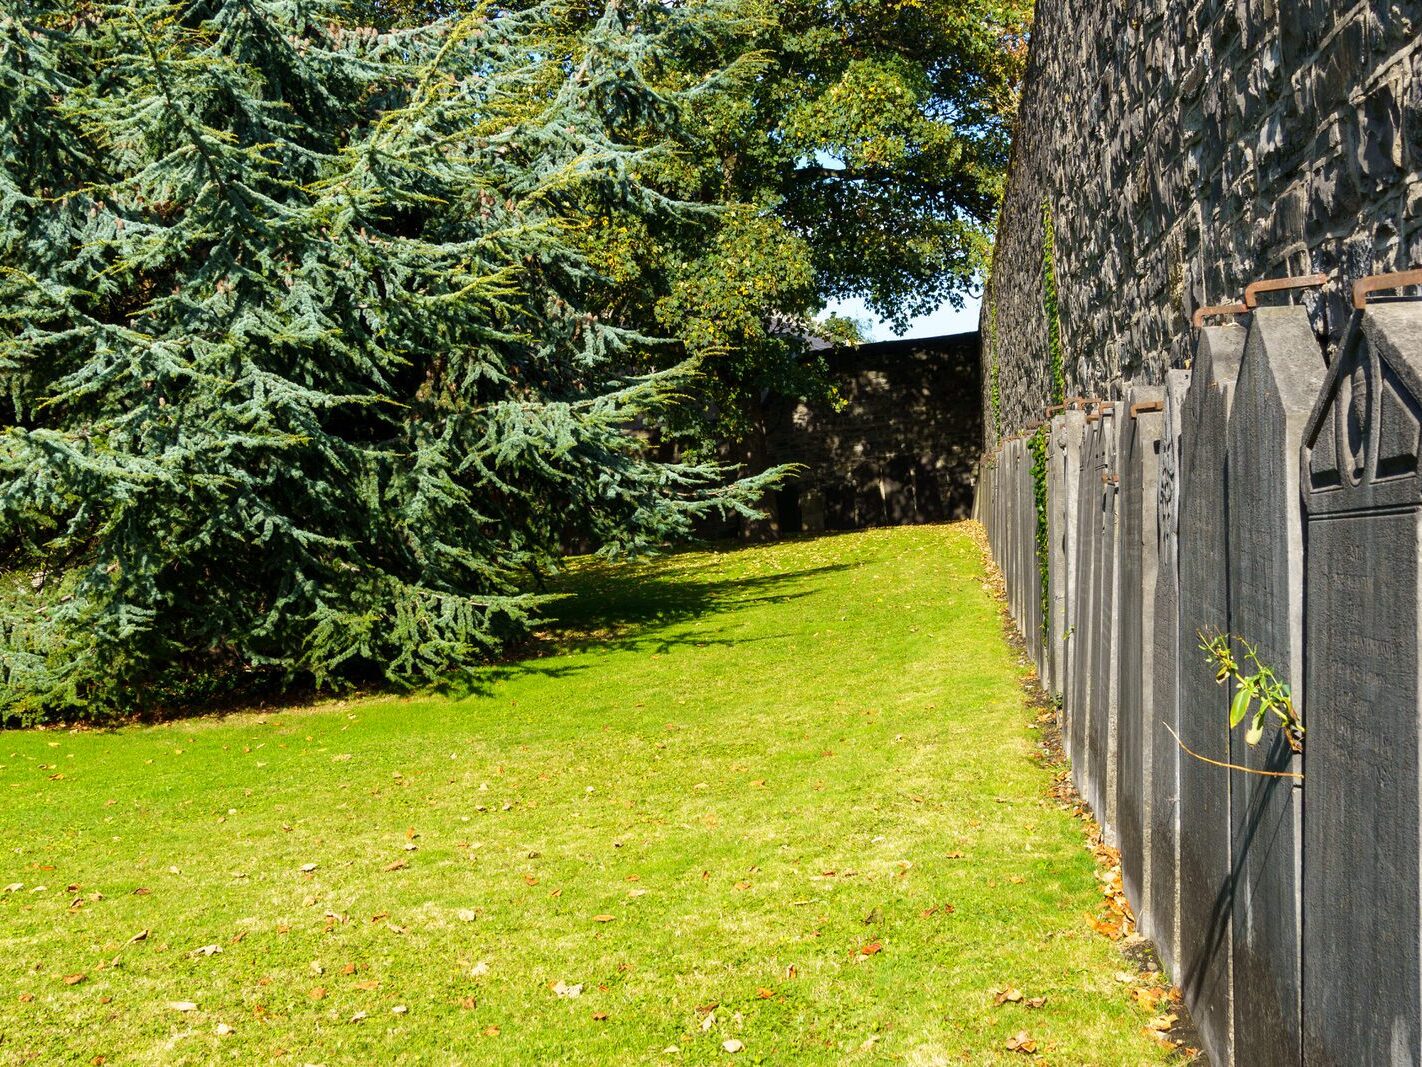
{"type": "Point", "coordinates": [300, 379]}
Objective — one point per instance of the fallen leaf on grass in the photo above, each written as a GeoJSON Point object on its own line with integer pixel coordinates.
{"type": "Point", "coordinates": [1036, 1002]}
{"type": "Point", "coordinates": [1020, 1042]}
{"type": "Point", "coordinates": [957, 855]}
{"type": "Point", "coordinates": [871, 948]}
{"type": "Point", "coordinates": [359, 1016]}
{"type": "Point", "coordinates": [764, 994]}
{"type": "Point", "coordinates": [732, 1046]}
{"type": "Point", "coordinates": [1008, 995]}
{"type": "Point", "coordinates": [26, 998]}
{"type": "Point", "coordinates": [466, 915]}
{"type": "Point", "coordinates": [182, 1005]}
{"type": "Point", "coordinates": [469, 1003]}
{"type": "Point", "coordinates": [223, 1030]}
{"type": "Point", "coordinates": [599, 1016]}
{"type": "Point", "coordinates": [530, 879]}
{"type": "Point", "coordinates": [399, 1009]}
{"type": "Point", "coordinates": [319, 993]}
{"type": "Point", "coordinates": [603, 918]}
{"type": "Point", "coordinates": [708, 1022]}
{"type": "Point", "coordinates": [307, 868]}
{"type": "Point", "coordinates": [479, 970]}
{"type": "Point", "coordinates": [142, 935]}
{"type": "Point", "coordinates": [369, 984]}
{"type": "Point", "coordinates": [206, 950]}
{"type": "Point", "coordinates": [1162, 1023]}
{"type": "Point", "coordinates": [743, 885]}
{"type": "Point", "coordinates": [564, 990]}
{"type": "Point", "coordinates": [398, 865]}
{"type": "Point", "coordinates": [491, 1031]}
{"type": "Point", "coordinates": [14, 887]}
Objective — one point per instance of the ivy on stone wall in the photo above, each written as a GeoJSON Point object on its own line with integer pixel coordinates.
{"type": "Point", "coordinates": [1050, 305]}
{"type": "Point", "coordinates": [1037, 443]}
{"type": "Point", "coordinates": [994, 366]}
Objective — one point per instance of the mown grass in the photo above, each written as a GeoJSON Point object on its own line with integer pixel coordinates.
{"type": "Point", "coordinates": [752, 768]}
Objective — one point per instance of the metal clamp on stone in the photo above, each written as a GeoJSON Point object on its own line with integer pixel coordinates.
{"type": "Point", "coordinates": [1146, 409]}
{"type": "Point", "coordinates": [1374, 283]}
{"type": "Point", "coordinates": [1275, 285]}
{"type": "Point", "coordinates": [1211, 310]}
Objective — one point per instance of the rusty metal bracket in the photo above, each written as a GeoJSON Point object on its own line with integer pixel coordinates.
{"type": "Point", "coordinates": [1210, 310]}
{"type": "Point", "coordinates": [1110, 479]}
{"type": "Point", "coordinates": [1081, 403]}
{"type": "Point", "coordinates": [1146, 409]}
{"type": "Point", "coordinates": [1054, 409]}
{"type": "Point", "coordinates": [1374, 283]}
{"type": "Point", "coordinates": [1275, 285]}
{"type": "Point", "coordinates": [1093, 417]}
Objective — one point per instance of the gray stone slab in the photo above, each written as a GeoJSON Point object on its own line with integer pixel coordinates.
{"type": "Point", "coordinates": [1362, 979]}
{"type": "Point", "coordinates": [1086, 607]}
{"type": "Point", "coordinates": [1065, 461]}
{"type": "Point", "coordinates": [1139, 466]}
{"type": "Point", "coordinates": [1100, 771]}
{"type": "Point", "coordinates": [1280, 378]}
{"type": "Point", "coordinates": [1206, 885]}
{"type": "Point", "coordinates": [1160, 920]}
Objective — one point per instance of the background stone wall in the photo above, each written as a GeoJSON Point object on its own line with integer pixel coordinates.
{"type": "Point", "coordinates": [1184, 150]}
{"type": "Point", "coordinates": [901, 448]}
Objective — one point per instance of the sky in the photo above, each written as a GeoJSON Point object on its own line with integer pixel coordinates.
{"type": "Point", "coordinates": [945, 320]}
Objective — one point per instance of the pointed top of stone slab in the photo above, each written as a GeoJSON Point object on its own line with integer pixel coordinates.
{"type": "Point", "coordinates": [1361, 444]}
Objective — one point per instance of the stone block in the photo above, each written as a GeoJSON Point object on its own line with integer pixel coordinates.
{"type": "Point", "coordinates": [1065, 466]}
{"type": "Point", "coordinates": [1086, 608]}
{"type": "Point", "coordinates": [1206, 885]}
{"type": "Point", "coordinates": [1099, 789]}
{"type": "Point", "coordinates": [1362, 977]}
{"type": "Point", "coordinates": [1280, 377]}
{"type": "Point", "coordinates": [1139, 466]}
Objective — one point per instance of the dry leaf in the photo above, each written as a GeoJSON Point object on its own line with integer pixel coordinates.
{"type": "Point", "coordinates": [871, 948]}
{"type": "Point", "coordinates": [368, 984]}
{"type": "Point", "coordinates": [1036, 1002]}
{"type": "Point", "coordinates": [359, 1016]}
{"type": "Point", "coordinates": [1008, 995]}
{"type": "Point", "coordinates": [564, 990]}
{"type": "Point", "coordinates": [1021, 1043]}
{"type": "Point", "coordinates": [603, 918]}
{"type": "Point", "coordinates": [599, 1016]}
{"type": "Point", "coordinates": [349, 968]}
{"type": "Point", "coordinates": [708, 1022]}
{"type": "Point", "coordinates": [398, 865]}
{"type": "Point", "coordinates": [307, 868]}
{"type": "Point", "coordinates": [764, 994]}
{"type": "Point", "coordinates": [74, 979]}
{"type": "Point", "coordinates": [479, 970]}
{"type": "Point", "coordinates": [206, 950]}
{"type": "Point", "coordinates": [732, 1046]}
{"type": "Point", "coordinates": [399, 1009]}
{"type": "Point", "coordinates": [223, 1030]}
{"type": "Point", "coordinates": [142, 935]}
{"type": "Point", "coordinates": [467, 915]}
{"type": "Point", "coordinates": [319, 993]}
{"type": "Point", "coordinates": [182, 1005]}
{"type": "Point", "coordinates": [529, 879]}
{"type": "Point", "coordinates": [491, 1031]}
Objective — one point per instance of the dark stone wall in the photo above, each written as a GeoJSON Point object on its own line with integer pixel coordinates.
{"type": "Point", "coordinates": [900, 449]}
{"type": "Point", "coordinates": [1185, 150]}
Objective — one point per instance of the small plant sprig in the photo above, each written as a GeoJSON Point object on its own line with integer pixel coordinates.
{"type": "Point", "coordinates": [1262, 685]}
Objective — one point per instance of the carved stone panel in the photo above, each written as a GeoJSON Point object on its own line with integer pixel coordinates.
{"type": "Point", "coordinates": [1160, 919]}
{"type": "Point", "coordinates": [1206, 886]}
{"type": "Point", "coordinates": [1138, 464]}
{"type": "Point", "coordinates": [1280, 378]}
{"type": "Point", "coordinates": [1362, 979]}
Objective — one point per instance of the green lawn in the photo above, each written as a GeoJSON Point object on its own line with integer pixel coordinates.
{"type": "Point", "coordinates": [793, 782]}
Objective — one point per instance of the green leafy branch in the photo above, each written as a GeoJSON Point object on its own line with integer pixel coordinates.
{"type": "Point", "coordinates": [1260, 689]}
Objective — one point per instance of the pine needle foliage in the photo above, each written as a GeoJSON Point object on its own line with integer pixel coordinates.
{"type": "Point", "coordinates": [303, 369]}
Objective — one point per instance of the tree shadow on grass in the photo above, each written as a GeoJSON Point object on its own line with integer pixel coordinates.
{"type": "Point", "coordinates": [634, 608]}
